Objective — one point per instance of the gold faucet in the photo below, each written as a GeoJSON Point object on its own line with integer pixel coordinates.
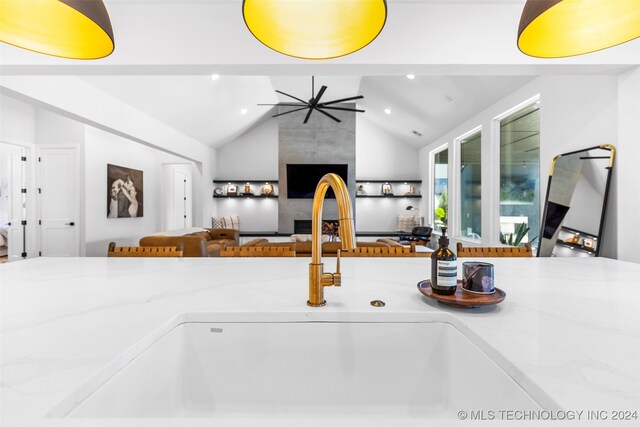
{"type": "Point", "coordinates": [318, 279]}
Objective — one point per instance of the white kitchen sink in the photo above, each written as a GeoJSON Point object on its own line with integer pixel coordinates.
{"type": "Point", "coordinates": [306, 369]}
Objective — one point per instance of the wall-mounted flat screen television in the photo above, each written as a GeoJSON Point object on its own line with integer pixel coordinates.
{"type": "Point", "coordinates": [302, 179]}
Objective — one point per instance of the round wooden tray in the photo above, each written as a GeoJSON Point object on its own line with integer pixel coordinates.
{"type": "Point", "coordinates": [462, 299]}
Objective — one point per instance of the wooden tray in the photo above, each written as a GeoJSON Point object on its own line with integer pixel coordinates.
{"type": "Point", "coordinates": [462, 299]}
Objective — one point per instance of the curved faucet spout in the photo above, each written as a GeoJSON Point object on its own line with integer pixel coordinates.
{"type": "Point", "coordinates": [317, 278]}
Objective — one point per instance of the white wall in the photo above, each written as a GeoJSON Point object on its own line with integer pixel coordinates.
{"type": "Point", "coordinates": [16, 121]}
{"type": "Point", "coordinates": [254, 155]}
{"type": "Point", "coordinates": [626, 169]}
{"type": "Point", "coordinates": [575, 112]}
{"type": "Point", "coordinates": [83, 102]}
{"type": "Point", "coordinates": [102, 148]}
{"type": "Point", "coordinates": [380, 155]}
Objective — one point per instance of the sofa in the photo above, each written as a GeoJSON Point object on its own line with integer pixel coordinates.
{"type": "Point", "coordinates": [206, 242]}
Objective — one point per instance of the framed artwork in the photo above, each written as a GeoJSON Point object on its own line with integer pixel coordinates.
{"type": "Point", "coordinates": [387, 190]}
{"type": "Point", "coordinates": [124, 192]}
{"type": "Point", "coordinates": [232, 190]}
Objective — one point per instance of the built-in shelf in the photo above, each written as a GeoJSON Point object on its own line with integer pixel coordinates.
{"type": "Point", "coordinates": [389, 181]}
{"type": "Point", "coordinates": [394, 196]}
{"type": "Point", "coordinates": [400, 188]}
{"type": "Point", "coordinates": [243, 181]}
{"type": "Point", "coordinates": [222, 189]}
{"type": "Point", "coordinates": [245, 196]}
{"type": "Point", "coordinates": [576, 246]}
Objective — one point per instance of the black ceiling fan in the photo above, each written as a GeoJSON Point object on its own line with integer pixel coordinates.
{"type": "Point", "coordinates": [315, 104]}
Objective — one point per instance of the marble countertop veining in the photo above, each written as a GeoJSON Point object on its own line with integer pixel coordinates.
{"type": "Point", "coordinates": [568, 329]}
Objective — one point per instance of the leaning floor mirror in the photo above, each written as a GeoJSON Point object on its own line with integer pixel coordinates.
{"type": "Point", "coordinates": [576, 203]}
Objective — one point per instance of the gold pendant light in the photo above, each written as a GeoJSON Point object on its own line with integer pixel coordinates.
{"type": "Point", "coordinates": [561, 28]}
{"type": "Point", "coordinates": [77, 29]}
{"type": "Point", "coordinates": [315, 29]}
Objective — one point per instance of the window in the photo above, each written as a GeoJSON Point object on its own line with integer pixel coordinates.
{"type": "Point", "coordinates": [440, 188]}
{"type": "Point", "coordinates": [520, 176]}
{"type": "Point", "coordinates": [470, 186]}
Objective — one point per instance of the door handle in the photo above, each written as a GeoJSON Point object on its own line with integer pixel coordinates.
{"type": "Point", "coordinates": [70, 223]}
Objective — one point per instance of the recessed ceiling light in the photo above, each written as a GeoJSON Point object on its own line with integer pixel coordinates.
{"type": "Point", "coordinates": [215, 76]}
{"type": "Point", "coordinates": [411, 76]}
{"type": "Point", "coordinates": [387, 111]}
{"type": "Point", "coordinates": [243, 111]}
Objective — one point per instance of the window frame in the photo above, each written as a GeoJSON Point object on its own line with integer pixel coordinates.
{"type": "Point", "coordinates": [432, 189]}
{"type": "Point", "coordinates": [494, 203]}
{"type": "Point", "coordinates": [457, 192]}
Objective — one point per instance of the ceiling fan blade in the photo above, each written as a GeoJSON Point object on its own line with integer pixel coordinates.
{"type": "Point", "coordinates": [340, 108]}
{"type": "Point", "coordinates": [291, 96]}
{"type": "Point", "coordinates": [343, 100]}
{"type": "Point", "coordinates": [290, 111]}
{"type": "Point", "coordinates": [306, 119]}
{"type": "Point", "coordinates": [329, 115]}
{"type": "Point", "coordinates": [320, 93]}
{"type": "Point", "coordinates": [284, 104]}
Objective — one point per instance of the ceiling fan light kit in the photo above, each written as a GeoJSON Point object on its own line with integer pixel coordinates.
{"type": "Point", "coordinates": [315, 29]}
{"type": "Point", "coordinates": [76, 29]}
{"type": "Point", "coordinates": [562, 28]}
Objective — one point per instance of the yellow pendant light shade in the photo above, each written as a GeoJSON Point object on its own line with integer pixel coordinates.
{"type": "Point", "coordinates": [78, 29]}
{"type": "Point", "coordinates": [561, 28]}
{"type": "Point", "coordinates": [315, 29]}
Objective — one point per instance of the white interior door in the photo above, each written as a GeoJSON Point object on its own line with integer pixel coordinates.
{"type": "Point", "coordinates": [59, 211]}
{"type": "Point", "coordinates": [13, 203]}
{"type": "Point", "coordinates": [182, 199]}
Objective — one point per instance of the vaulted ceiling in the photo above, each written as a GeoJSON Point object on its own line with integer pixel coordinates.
{"type": "Point", "coordinates": [462, 52]}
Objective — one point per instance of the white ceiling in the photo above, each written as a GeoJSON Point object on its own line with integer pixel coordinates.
{"type": "Point", "coordinates": [210, 110]}
{"type": "Point", "coordinates": [462, 51]}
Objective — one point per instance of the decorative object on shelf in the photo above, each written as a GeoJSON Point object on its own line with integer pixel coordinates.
{"type": "Point", "coordinates": [331, 228]}
{"type": "Point", "coordinates": [316, 29]}
{"type": "Point", "coordinates": [561, 28]}
{"type": "Point", "coordinates": [588, 243]}
{"type": "Point", "coordinates": [266, 190]}
{"type": "Point", "coordinates": [411, 192]}
{"type": "Point", "coordinates": [232, 190]}
{"type": "Point", "coordinates": [228, 222]}
{"type": "Point", "coordinates": [461, 299]}
{"type": "Point", "coordinates": [575, 239]}
{"type": "Point", "coordinates": [218, 191]}
{"type": "Point", "coordinates": [387, 190]}
{"type": "Point", "coordinates": [66, 28]}
{"type": "Point", "coordinates": [247, 190]}
{"type": "Point", "coordinates": [315, 104]}
{"type": "Point", "coordinates": [124, 192]}
{"type": "Point", "coordinates": [361, 191]}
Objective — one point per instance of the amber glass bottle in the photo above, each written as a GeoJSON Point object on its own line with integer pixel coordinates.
{"type": "Point", "coordinates": [444, 267]}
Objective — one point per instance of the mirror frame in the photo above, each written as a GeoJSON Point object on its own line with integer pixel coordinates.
{"type": "Point", "coordinates": [611, 157]}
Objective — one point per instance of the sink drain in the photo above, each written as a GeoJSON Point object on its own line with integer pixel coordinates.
{"type": "Point", "coordinates": [377, 303]}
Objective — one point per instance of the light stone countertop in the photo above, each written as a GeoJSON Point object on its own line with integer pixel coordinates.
{"type": "Point", "coordinates": [569, 329]}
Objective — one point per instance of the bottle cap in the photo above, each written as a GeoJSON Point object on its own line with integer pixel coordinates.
{"type": "Point", "coordinates": [444, 240]}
